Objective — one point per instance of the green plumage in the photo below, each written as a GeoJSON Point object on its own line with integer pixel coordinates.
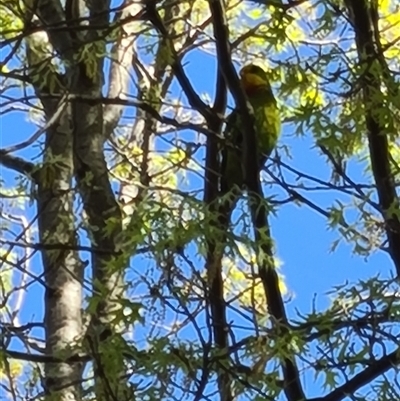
{"type": "Point", "coordinates": [267, 130]}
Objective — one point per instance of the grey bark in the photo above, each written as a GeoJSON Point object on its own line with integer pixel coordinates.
{"type": "Point", "coordinates": [62, 268]}
{"type": "Point", "coordinates": [74, 148]}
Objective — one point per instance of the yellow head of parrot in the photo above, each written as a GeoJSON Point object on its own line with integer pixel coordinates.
{"type": "Point", "coordinates": [253, 77]}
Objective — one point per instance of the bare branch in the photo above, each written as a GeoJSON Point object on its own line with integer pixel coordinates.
{"type": "Point", "coordinates": [58, 247]}
{"type": "Point", "coordinates": [194, 99]}
{"type": "Point", "coordinates": [375, 368]}
{"type": "Point", "coordinates": [17, 164]}
{"type": "Point", "coordinates": [89, 99]}
{"type": "Point", "coordinates": [363, 23]}
{"type": "Point", "coordinates": [60, 108]}
{"type": "Point", "coordinates": [119, 72]}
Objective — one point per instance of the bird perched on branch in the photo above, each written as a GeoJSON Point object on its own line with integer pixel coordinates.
{"type": "Point", "coordinates": [267, 128]}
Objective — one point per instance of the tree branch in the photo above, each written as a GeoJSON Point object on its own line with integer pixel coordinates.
{"type": "Point", "coordinates": [51, 13]}
{"type": "Point", "coordinates": [267, 271]}
{"type": "Point", "coordinates": [278, 3]}
{"type": "Point", "coordinates": [90, 99]}
{"type": "Point", "coordinates": [212, 168]}
{"type": "Point", "coordinates": [18, 164]}
{"type": "Point", "coordinates": [223, 45]}
{"type": "Point", "coordinates": [375, 369]}
{"type": "Point", "coordinates": [193, 98]}
{"type": "Point", "coordinates": [119, 72]}
{"type": "Point", "coordinates": [363, 23]}
{"type": "Point", "coordinates": [60, 108]}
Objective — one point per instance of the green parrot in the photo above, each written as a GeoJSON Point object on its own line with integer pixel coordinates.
{"type": "Point", "coordinates": [267, 128]}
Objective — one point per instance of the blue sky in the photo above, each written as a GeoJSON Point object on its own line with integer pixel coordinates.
{"type": "Point", "coordinates": [302, 237]}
